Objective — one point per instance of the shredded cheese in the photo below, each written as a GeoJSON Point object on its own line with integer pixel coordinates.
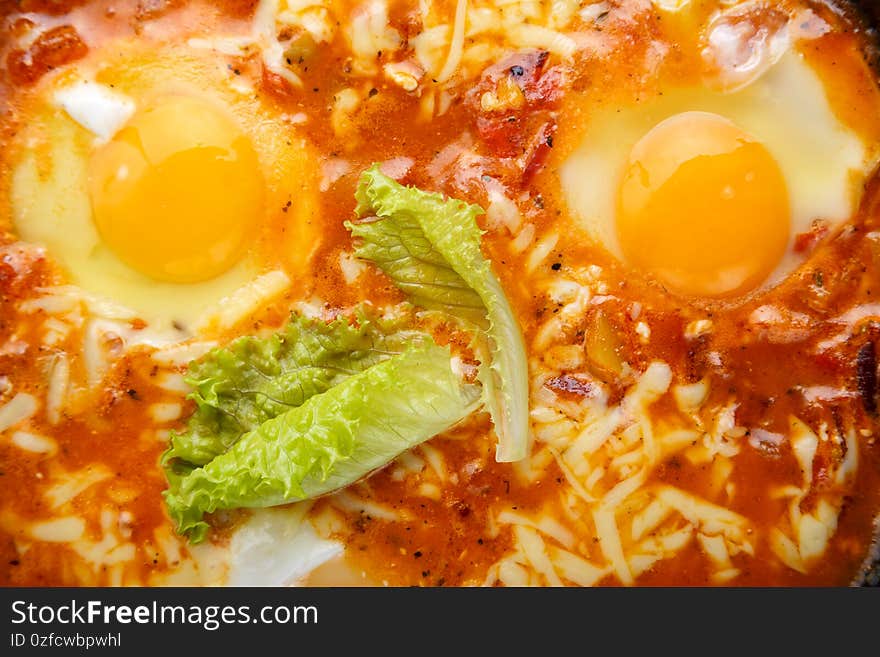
{"type": "Point", "coordinates": [245, 301]}
{"type": "Point", "coordinates": [70, 485]}
{"type": "Point", "coordinates": [17, 410]}
{"type": "Point", "coordinates": [31, 442]}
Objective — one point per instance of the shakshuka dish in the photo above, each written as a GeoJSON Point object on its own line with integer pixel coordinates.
{"type": "Point", "coordinates": [439, 293]}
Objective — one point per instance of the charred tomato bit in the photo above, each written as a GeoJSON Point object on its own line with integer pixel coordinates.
{"type": "Point", "coordinates": [571, 385]}
{"type": "Point", "coordinates": [148, 10]}
{"type": "Point", "coordinates": [866, 376]}
{"type": "Point", "coordinates": [53, 48]}
{"type": "Point", "coordinates": [807, 241]}
{"type": "Point", "coordinates": [538, 152]}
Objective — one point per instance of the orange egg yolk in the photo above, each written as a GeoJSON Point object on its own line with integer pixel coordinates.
{"type": "Point", "coordinates": [703, 207]}
{"type": "Point", "coordinates": [178, 191]}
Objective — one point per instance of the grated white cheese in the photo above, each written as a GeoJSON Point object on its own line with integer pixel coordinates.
{"type": "Point", "coordinates": [32, 442]}
{"type": "Point", "coordinates": [165, 412]}
{"type": "Point", "coordinates": [332, 170]}
{"type": "Point", "coordinates": [697, 328]}
{"type": "Point", "coordinates": [689, 397]}
{"type": "Point", "coordinates": [501, 210]}
{"type": "Point", "coordinates": [537, 36]}
{"type": "Point", "coordinates": [545, 524]}
{"type": "Point", "coordinates": [69, 485]}
{"type": "Point", "coordinates": [59, 383]}
{"type": "Point", "coordinates": [173, 382]}
{"type": "Point", "coordinates": [347, 501]}
{"type": "Point", "coordinates": [535, 551]}
{"type": "Point", "coordinates": [574, 568]}
{"type": "Point", "coordinates": [649, 518]}
{"type": "Point", "coordinates": [434, 458]}
{"type": "Point", "coordinates": [609, 542]}
{"type": "Point", "coordinates": [17, 410]}
{"type": "Point", "coordinates": [804, 444]}
{"type": "Point", "coordinates": [541, 250]}
{"type": "Point", "coordinates": [456, 43]}
{"type": "Point", "coordinates": [429, 490]}
{"type": "Point", "coordinates": [181, 354]}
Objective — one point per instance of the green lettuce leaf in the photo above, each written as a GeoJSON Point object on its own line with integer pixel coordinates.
{"type": "Point", "coordinates": [331, 440]}
{"type": "Point", "coordinates": [253, 379]}
{"type": "Point", "coordinates": [430, 247]}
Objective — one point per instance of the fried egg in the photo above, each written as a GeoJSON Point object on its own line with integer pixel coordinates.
{"type": "Point", "coordinates": [704, 190]}
{"type": "Point", "coordinates": [154, 180]}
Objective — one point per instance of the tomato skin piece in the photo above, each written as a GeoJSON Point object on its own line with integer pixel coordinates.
{"type": "Point", "coordinates": [524, 130]}
{"type": "Point", "coordinates": [539, 151]}
{"type": "Point", "coordinates": [52, 49]}
{"type": "Point", "coordinates": [807, 241]}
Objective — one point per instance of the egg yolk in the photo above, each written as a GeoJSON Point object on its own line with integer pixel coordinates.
{"type": "Point", "coordinates": [703, 207]}
{"type": "Point", "coordinates": [177, 192]}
